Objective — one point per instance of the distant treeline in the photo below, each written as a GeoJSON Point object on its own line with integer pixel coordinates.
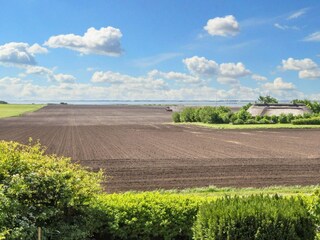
{"type": "Point", "coordinates": [3, 102]}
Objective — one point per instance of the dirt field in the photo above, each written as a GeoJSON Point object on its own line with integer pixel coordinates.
{"type": "Point", "coordinates": [139, 152]}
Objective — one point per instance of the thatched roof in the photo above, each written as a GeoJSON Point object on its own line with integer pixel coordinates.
{"type": "Point", "coordinates": [277, 109]}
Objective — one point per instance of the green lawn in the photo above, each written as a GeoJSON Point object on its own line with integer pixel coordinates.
{"type": "Point", "coordinates": [216, 192]}
{"type": "Point", "coordinates": [13, 110]}
{"type": "Point", "coordinates": [213, 191]}
{"type": "Point", "coordinates": [250, 126]}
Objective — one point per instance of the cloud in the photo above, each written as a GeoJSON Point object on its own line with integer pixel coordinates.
{"type": "Point", "coordinates": [201, 66]}
{"type": "Point", "coordinates": [222, 26]}
{"type": "Point", "coordinates": [226, 73]}
{"type": "Point", "coordinates": [105, 41]}
{"type": "Point", "coordinates": [314, 37]}
{"type": "Point", "coordinates": [18, 53]}
{"type": "Point", "coordinates": [298, 64]}
{"type": "Point", "coordinates": [233, 70]}
{"type": "Point", "coordinates": [49, 74]}
{"type": "Point", "coordinates": [115, 78]}
{"type": "Point", "coordinates": [279, 84]}
{"type": "Point", "coordinates": [307, 68]}
{"type": "Point", "coordinates": [64, 78]}
{"type": "Point", "coordinates": [259, 77]}
{"type": "Point", "coordinates": [176, 76]}
{"type": "Point", "coordinates": [297, 14]}
{"type": "Point", "coordinates": [286, 27]}
{"type": "Point", "coordinates": [154, 60]}
{"type": "Point", "coordinates": [310, 74]}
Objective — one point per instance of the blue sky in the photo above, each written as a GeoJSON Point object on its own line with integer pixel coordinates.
{"type": "Point", "coordinates": [191, 50]}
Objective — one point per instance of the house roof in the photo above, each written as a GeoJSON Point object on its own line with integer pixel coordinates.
{"type": "Point", "coordinates": [277, 109]}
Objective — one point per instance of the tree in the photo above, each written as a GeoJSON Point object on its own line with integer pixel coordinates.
{"type": "Point", "coordinates": [313, 106]}
{"type": "Point", "coordinates": [267, 100]}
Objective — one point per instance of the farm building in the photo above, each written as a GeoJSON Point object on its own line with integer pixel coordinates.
{"type": "Point", "coordinates": [277, 109]}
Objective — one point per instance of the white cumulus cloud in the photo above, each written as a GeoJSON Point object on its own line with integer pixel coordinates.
{"type": "Point", "coordinates": [201, 66]}
{"type": "Point", "coordinates": [259, 77]}
{"type": "Point", "coordinates": [104, 41]}
{"type": "Point", "coordinates": [298, 64]}
{"type": "Point", "coordinates": [307, 68]}
{"type": "Point", "coordinates": [18, 53]}
{"type": "Point", "coordinates": [279, 84]}
{"type": "Point", "coordinates": [223, 26]}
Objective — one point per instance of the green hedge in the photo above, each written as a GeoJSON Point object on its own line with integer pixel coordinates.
{"type": "Point", "coordinates": [255, 217]}
{"type": "Point", "coordinates": [147, 216]}
{"type": "Point", "coordinates": [307, 121]}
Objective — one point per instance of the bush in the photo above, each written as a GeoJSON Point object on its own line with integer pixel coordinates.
{"type": "Point", "coordinates": [307, 121]}
{"type": "Point", "coordinates": [265, 121]}
{"type": "Point", "coordinates": [188, 115]}
{"type": "Point", "coordinates": [255, 217]}
{"type": "Point", "coordinates": [45, 191]}
{"type": "Point", "coordinates": [176, 117]}
{"type": "Point", "coordinates": [290, 117]}
{"type": "Point", "coordinates": [147, 216]}
{"type": "Point", "coordinates": [251, 121]}
{"type": "Point", "coordinates": [241, 114]}
{"type": "Point", "coordinates": [274, 119]}
{"type": "Point", "coordinates": [283, 118]}
{"type": "Point", "coordinates": [238, 122]}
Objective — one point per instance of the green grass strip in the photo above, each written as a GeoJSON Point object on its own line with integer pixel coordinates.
{"type": "Point", "coordinates": [14, 110]}
{"type": "Point", "coordinates": [251, 126]}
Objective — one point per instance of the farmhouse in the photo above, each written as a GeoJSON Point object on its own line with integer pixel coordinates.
{"type": "Point", "coordinates": [277, 109]}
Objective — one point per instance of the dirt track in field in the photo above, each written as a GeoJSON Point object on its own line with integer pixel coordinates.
{"type": "Point", "coordinates": [138, 151]}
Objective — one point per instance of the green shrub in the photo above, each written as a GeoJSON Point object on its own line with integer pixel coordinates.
{"type": "Point", "coordinates": [290, 117]}
{"type": "Point", "coordinates": [241, 114]}
{"type": "Point", "coordinates": [306, 121]}
{"type": "Point", "coordinates": [238, 122]}
{"type": "Point", "coordinates": [45, 191]}
{"type": "Point", "coordinates": [251, 121]}
{"type": "Point", "coordinates": [187, 115]}
{"type": "Point", "coordinates": [147, 216]}
{"type": "Point", "coordinates": [176, 117]}
{"type": "Point", "coordinates": [255, 217]}
{"type": "Point", "coordinates": [274, 119]}
{"type": "Point", "coordinates": [265, 121]}
{"type": "Point", "coordinates": [283, 118]}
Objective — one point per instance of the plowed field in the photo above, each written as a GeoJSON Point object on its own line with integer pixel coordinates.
{"type": "Point", "coordinates": [138, 151]}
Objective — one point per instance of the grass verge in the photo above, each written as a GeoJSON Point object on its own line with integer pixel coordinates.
{"type": "Point", "coordinates": [251, 126]}
{"type": "Point", "coordinates": [213, 191]}
{"type": "Point", "coordinates": [14, 110]}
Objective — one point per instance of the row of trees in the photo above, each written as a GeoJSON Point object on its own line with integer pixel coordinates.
{"type": "Point", "coordinates": [223, 114]}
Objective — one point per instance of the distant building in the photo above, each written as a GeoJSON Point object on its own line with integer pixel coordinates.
{"type": "Point", "coordinates": [277, 109]}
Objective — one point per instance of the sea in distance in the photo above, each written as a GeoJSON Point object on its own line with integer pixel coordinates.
{"type": "Point", "coordinates": [232, 103]}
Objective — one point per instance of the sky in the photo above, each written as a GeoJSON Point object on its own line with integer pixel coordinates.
{"type": "Point", "coordinates": [159, 50]}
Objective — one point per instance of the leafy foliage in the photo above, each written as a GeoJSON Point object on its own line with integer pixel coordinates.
{"type": "Point", "coordinates": [267, 100]}
{"type": "Point", "coordinates": [307, 121]}
{"type": "Point", "coordinates": [314, 106]}
{"type": "Point", "coordinates": [176, 117]}
{"type": "Point", "coordinates": [147, 216]}
{"type": "Point", "coordinates": [255, 217]}
{"type": "Point", "coordinates": [47, 191]}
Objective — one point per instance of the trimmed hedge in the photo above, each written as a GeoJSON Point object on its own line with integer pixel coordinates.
{"type": "Point", "coordinates": [255, 217]}
{"type": "Point", "coordinates": [147, 216]}
{"type": "Point", "coordinates": [307, 121]}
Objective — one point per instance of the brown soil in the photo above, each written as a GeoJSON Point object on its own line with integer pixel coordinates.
{"type": "Point", "coordinates": [139, 151]}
